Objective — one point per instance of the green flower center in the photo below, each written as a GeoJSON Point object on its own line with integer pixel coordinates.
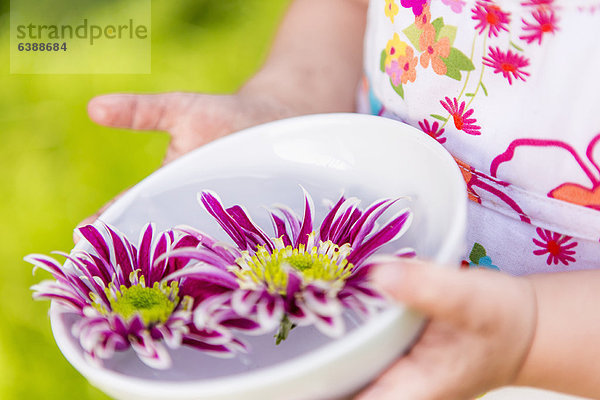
{"type": "Point", "coordinates": [154, 304]}
{"type": "Point", "coordinates": [325, 262]}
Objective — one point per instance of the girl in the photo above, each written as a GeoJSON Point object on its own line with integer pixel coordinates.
{"type": "Point", "coordinates": [509, 88]}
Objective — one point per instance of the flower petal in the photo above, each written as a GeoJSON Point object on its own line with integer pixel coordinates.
{"type": "Point", "coordinates": [212, 204]}
{"type": "Point", "coordinates": [390, 232]}
{"type": "Point", "coordinates": [96, 239]}
{"type": "Point", "coordinates": [307, 221]}
{"type": "Point", "coordinates": [205, 273]}
{"type": "Point", "coordinates": [144, 252]}
{"type": "Point", "coordinates": [280, 229]}
{"type": "Point", "coordinates": [151, 352]}
{"type": "Point", "coordinates": [256, 235]}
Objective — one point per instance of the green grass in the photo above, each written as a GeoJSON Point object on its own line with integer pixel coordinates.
{"type": "Point", "coordinates": [57, 167]}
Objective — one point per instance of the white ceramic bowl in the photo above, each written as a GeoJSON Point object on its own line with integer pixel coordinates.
{"type": "Point", "coordinates": [364, 156]}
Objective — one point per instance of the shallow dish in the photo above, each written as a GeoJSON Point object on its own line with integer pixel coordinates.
{"type": "Point", "coordinates": [364, 156]}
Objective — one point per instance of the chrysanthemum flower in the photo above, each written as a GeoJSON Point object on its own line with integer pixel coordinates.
{"type": "Point", "coordinates": [490, 16]}
{"type": "Point", "coordinates": [304, 275]}
{"type": "Point", "coordinates": [462, 122]}
{"type": "Point", "coordinates": [509, 64]}
{"type": "Point", "coordinates": [126, 297]}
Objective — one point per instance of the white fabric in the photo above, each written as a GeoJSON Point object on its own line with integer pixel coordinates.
{"type": "Point", "coordinates": [531, 157]}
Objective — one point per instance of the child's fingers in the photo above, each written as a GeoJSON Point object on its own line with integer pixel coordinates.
{"type": "Point", "coordinates": [137, 111]}
{"type": "Point", "coordinates": [407, 380]}
{"type": "Point", "coordinates": [458, 296]}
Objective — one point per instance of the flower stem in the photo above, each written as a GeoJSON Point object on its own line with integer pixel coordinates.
{"type": "Point", "coordinates": [480, 76]}
{"type": "Point", "coordinates": [284, 329]}
{"type": "Point", "coordinates": [468, 73]}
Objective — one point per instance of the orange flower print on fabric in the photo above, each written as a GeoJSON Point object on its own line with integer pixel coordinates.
{"type": "Point", "coordinates": [408, 64]}
{"type": "Point", "coordinates": [434, 51]}
{"type": "Point", "coordinates": [424, 19]}
{"type": "Point", "coordinates": [391, 9]}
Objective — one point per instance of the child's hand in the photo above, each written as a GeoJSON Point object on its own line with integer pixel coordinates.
{"type": "Point", "coordinates": [480, 330]}
{"type": "Point", "coordinates": [192, 119]}
{"type": "Point", "coordinates": [300, 76]}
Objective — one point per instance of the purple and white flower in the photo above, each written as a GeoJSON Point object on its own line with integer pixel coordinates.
{"type": "Point", "coordinates": [304, 274]}
{"type": "Point", "coordinates": [129, 296]}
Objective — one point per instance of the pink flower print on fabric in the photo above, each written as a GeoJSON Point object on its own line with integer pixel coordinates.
{"type": "Point", "coordinates": [489, 16]}
{"type": "Point", "coordinates": [509, 64]}
{"type": "Point", "coordinates": [434, 130]}
{"type": "Point", "coordinates": [395, 72]}
{"type": "Point", "coordinates": [546, 22]}
{"type": "Point", "coordinates": [462, 122]}
{"type": "Point", "coordinates": [558, 247]}
{"type": "Point", "coordinates": [539, 4]}
{"type": "Point", "coordinates": [455, 5]}
{"type": "Point", "coordinates": [416, 5]}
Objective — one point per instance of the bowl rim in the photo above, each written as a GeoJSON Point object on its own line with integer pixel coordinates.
{"type": "Point", "coordinates": [294, 366]}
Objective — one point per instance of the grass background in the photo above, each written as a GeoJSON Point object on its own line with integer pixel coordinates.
{"type": "Point", "coordinates": [57, 167]}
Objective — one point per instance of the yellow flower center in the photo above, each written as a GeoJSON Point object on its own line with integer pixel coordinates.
{"type": "Point", "coordinates": [325, 262]}
{"type": "Point", "coordinates": [153, 304]}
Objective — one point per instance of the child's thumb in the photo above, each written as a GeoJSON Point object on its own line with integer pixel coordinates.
{"type": "Point", "coordinates": [438, 291]}
{"type": "Point", "coordinates": [136, 111]}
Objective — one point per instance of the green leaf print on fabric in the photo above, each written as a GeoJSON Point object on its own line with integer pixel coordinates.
{"type": "Point", "coordinates": [457, 62]}
{"type": "Point", "coordinates": [438, 117]}
{"type": "Point", "coordinates": [438, 24]}
{"type": "Point", "coordinates": [477, 253]}
{"type": "Point", "coordinates": [448, 31]}
{"type": "Point", "coordinates": [399, 89]}
{"type": "Point", "coordinates": [382, 61]}
{"type": "Point", "coordinates": [413, 34]}
{"type": "Point", "coordinates": [479, 258]}
{"type": "Point", "coordinates": [515, 46]}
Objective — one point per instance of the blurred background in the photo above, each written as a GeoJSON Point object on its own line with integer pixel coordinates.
{"type": "Point", "coordinates": [57, 167]}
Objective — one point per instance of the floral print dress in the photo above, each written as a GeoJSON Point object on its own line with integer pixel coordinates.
{"type": "Point", "coordinates": [512, 90]}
